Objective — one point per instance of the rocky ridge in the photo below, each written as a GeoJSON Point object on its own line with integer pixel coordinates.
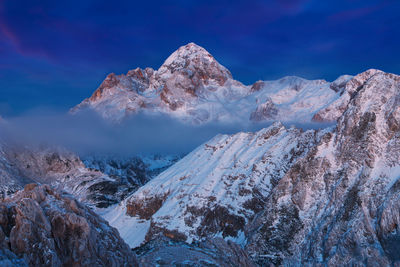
{"type": "Point", "coordinates": [192, 86]}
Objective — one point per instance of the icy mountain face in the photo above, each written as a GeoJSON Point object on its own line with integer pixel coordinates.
{"type": "Point", "coordinates": [192, 86]}
{"type": "Point", "coordinates": [339, 205]}
{"type": "Point", "coordinates": [215, 190]}
{"type": "Point", "coordinates": [42, 227]}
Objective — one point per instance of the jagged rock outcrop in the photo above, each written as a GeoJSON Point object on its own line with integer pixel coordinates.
{"type": "Point", "coordinates": [192, 86]}
{"type": "Point", "coordinates": [212, 252]}
{"type": "Point", "coordinates": [339, 204]}
{"type": "Point", "coordinates": [42, 227]}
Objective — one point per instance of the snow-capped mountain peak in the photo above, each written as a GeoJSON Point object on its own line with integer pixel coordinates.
{"type": "Point", "coordinates": [195, 58]}
{"type": "Point", "coordinates": [191, 85]}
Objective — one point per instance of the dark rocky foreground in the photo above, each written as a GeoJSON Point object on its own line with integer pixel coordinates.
{"type": "Point", "coordinates": [42, 227]}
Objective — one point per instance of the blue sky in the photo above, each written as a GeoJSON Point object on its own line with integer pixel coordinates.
{"type": "Point", "coordinates": [56, 53]}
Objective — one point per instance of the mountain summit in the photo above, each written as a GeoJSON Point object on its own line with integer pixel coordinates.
{"type": "Point", "coordinates": [196, 59]}
{"type": "Point", "coordinates": [191, 85]}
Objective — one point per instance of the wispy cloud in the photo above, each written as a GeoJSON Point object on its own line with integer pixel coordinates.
{"type": "Point", "coordinates": [142, 134]}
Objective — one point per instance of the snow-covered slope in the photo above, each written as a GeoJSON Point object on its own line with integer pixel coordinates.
{"type": "Point", "coordinates": [63, 170]}
{"type": "Point", "coordinates": [193, 86]}
{"type": "Point", "coordinates": [215, 190]}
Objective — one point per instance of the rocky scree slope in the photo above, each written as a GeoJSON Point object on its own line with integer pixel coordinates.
{"type": "Point", "coordinates": [192, 86]}
{"type": "Point", "coordinates": [42, 227]}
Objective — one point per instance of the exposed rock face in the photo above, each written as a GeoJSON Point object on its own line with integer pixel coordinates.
{"type": "Point", "coordinates": [216, 189]}
{"type": "Point", "coordinates": [339, 204]}
{"type": "Point", "coordinates": [192, 86]}
{"type": "Point", "coordinates": [257, 86]}
{"type": "Point", "coordinates": [45, 228]}
{"type": "Point", "coordinates": [212, 252]}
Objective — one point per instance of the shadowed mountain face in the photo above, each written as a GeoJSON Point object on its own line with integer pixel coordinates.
{"type": "Point", "coordinates": [192, 86]}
